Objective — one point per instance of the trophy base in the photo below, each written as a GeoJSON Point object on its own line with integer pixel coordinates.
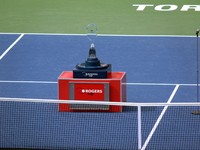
{"type": "Point", "coordinates": [94, 73]}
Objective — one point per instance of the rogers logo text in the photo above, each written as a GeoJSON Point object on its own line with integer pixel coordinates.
{"type": "Point", "coordinates": [90, 74]}
{"type": "Point", "coordinates": [91, 91]}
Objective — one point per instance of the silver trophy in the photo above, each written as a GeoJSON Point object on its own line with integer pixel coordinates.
{"type": "Point", "coordinates": [92, 67]}
{"type": "Point", "coordinates": [91, 30]}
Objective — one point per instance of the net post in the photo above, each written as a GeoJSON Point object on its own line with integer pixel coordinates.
{"type": "Point", "coordinates": [197, 33]}
{"type": "Point", "coordinates": [197, 112]}
{"type": "Point", "coordinates": [139, 128]}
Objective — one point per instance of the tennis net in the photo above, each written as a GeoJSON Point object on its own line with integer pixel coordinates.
{"type": "Point", "coordinates": [38, 124]}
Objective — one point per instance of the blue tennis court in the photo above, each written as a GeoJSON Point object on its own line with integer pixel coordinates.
{"type": "Point", "coordinates": [38, 60]}
{"type": "Point", "coordinates": [159, 69]}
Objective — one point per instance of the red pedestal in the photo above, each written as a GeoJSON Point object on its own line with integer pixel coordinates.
{"type": "Point", "coordinates": [111, 89]}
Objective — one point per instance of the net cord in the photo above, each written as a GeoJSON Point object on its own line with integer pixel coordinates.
{"type": "Point", "coordinates": [33, 100]}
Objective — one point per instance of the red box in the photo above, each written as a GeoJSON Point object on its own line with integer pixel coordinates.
{"type": "Point", "coordinates": [112, 89]}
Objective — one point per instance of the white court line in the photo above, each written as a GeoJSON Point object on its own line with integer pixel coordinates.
{"type": "Point", "coordinates": [121, 35]}
{"type": "Point", "coordinates": [31, 82]}
{"type": "Point", "coordinates": [135, 84]}
{"type": "Point", "coordinates": [161, 84]}
{"type": "Point", "coordinates": [160, 117]}
{"type": "Point", "coordinates": [11, 46]}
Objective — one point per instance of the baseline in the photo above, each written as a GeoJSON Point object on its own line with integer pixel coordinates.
{"type": "Point", "coordinates": [120, 35]}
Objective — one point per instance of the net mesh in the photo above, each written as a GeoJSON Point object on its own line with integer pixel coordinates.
{"type": "Point", "coordinates": [38, 125]}
{"type": "Point", "coordinates": [178, 129]}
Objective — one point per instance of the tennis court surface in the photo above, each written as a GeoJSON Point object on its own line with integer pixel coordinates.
{"type": "Point", "coordinates": [160, 69]}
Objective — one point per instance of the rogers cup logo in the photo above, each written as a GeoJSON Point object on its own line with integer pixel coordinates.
{"type": "Point", "coordinates": [91, 91]}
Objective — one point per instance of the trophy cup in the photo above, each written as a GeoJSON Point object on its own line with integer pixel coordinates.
{"type": "Point", "coordinates": [92, 67]}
